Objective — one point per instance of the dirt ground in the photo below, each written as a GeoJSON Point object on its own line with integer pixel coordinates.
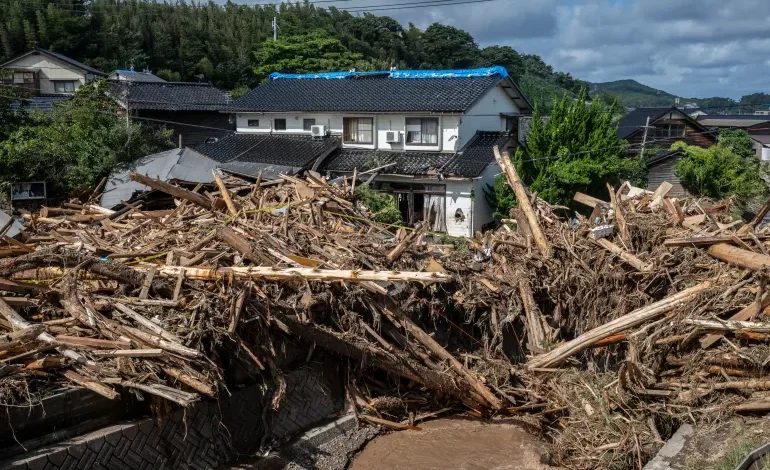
{"type": "Point", "coordinates": [455, 443]}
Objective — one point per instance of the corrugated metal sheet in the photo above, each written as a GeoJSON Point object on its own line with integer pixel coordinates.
{"type": "Point", "coordinates": [176, 164]}
{"type": "Point", "coordinates": [663, 170]}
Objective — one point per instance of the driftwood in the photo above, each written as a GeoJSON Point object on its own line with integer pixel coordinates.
{"type": "Point", "coordinates": [623, 323]}
{"type": "Point", "coordinates": [739, 257]}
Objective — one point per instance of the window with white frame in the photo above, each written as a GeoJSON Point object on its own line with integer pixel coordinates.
{"type": "Point", "coordinates": [665, 131]}
{"type": "Point", "coordinates": [307, 124]}
{"type": "Point", "coordinates": [358, 130]}
{"type": "Point", "coordinates": [422, 131]}
{"type": "Point", "coordinates": [64, 86]}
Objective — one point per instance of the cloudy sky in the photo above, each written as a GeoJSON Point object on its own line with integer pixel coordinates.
{"type": "Point", "coordinates": [691, 48]}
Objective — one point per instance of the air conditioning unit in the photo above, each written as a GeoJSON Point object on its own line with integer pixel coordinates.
{"type": "Point", "coordinates": [318, 131]}
{"type": "Point", "coordinates": [393, 137]}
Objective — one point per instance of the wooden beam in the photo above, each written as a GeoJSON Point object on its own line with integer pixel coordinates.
{"type": "Point", "coordinates": [225, 194]}
{"type": "Point", "coordinates": [92, 342]}
{"type": "Point", "coordinates": [521, 195]}
{"type": "Point", "coordinates": [746, 313]}
{"type": "Point", "coordinates": [175, 191]}
{"type": "Point", "coordinates": [287, 274]}
{"type": "Point", "coordinates": [589, 201]}
{"type": "Point", "coordinates": [706, 241]}
{"type": "Point", "coordinates": [630, 320]}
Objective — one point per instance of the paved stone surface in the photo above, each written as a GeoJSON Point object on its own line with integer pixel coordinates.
{"type": "Point", "coordinates": [671, 449]}
{"type": "Point", "coordinates": [200, 438]}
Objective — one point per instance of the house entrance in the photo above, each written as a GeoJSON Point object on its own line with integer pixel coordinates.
{"type": "Point", "coordinates": [418, 202]}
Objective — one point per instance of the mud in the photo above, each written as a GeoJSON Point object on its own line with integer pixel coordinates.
{"type": "Point", "coordinates": [455, 443]}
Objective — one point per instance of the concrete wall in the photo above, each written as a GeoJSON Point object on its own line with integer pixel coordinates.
{"type": "Point", "coordinates": [458, 197]}
{"type": "Point", "coordinates": [448, 128]}
{"type": "Point", "coordinates": [484, 115]}
{"type": "Point", "coordinates": [48, 70]}
{"type": "Point", "coordinates": [204, 436]}
{"type": "Point", "coordinates": [482, 211]}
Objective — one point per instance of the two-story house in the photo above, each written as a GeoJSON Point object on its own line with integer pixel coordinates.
{"type": "Point", "coordinates": [657, 129]}
{"type": "Point", "coordinates": [193, 111]}
{"type": "Point", "coordinates": [425, 136]}
{"type": "Point", "coordinates": [46, 77]}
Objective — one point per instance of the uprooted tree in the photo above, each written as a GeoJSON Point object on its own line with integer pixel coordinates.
{"type": "Point", "coordinates": [576, 149]}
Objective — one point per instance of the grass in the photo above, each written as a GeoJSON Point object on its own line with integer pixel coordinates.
{"type": "Point", "coordinates": [732, 458]}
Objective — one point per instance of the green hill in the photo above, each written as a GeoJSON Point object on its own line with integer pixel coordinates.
{"type": "Point", "coordinates": [633, 93]}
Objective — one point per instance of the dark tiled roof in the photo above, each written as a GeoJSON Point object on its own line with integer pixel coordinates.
{"type": "Point", "coordinates": [269, 149]}
{"type": "Point", "coordinates": [70, 61]}
{"type": "Point", "coordinates": [470, 162]}
{"type": "Point", "coordinates": [477, 155]}
{"type": "Point", "coordinates": [636, 119]}
{"type": "Point", "coordinates": [134, 76]}
{"type": "Point", "coordinates": [376, 93]}
{"type": "Point", "coordinates": [170, 96]}
{"type": "Point", "coordinates": [406, 163]}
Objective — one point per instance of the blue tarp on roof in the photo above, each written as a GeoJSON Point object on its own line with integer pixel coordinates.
{"type": "Point", "coordinates": [456, 73]}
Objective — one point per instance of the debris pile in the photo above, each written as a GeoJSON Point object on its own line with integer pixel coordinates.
{"type": "Point", "coordinates": [609, 330]}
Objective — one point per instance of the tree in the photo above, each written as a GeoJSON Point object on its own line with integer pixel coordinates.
{"type": "Point", "coordinates": [316, 51]}
{"type": "Point", "coordinates": [505, 56]}
{"type": "Point", "coordinates": [607, 98]}
{"type": "Point", "coordinates": [728, 169]}
{"type": "Point", "coordinates": [80, 142]}
{"type": "Point", "coordinates": [576, 149]}
{"type": "Point", "coordinates": [447, 47]}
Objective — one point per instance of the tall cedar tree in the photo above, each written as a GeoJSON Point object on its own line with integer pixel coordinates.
{"type": "Point", "coordinates": [576, 149]}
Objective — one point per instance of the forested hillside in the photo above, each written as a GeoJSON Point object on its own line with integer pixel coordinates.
{"type": "Point", "coordinates": [634, 94]}
{"type": "Point", "coordinates": [231, 45]}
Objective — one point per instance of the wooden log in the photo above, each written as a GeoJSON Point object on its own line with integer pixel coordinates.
{"type": "Point", "coordinates": [46, 363]}
{"type": "Point", "coordinates": [161, 343]}
{"type": "Point", "coordinates": [175, 191]}
{"type": "Point", "coordinates": [739, 257]}
{"type": "Point", "coordinates": [521, 195]}
{"type": "Point", "coordinates": [441, 383]}
{"type": "Point", "coordinates": [225, 194]}
{"type": "Point", "coordinates": [241, 244]}
{"type": "Point", "coordinates": [287, 274]}
{"type": "Point", "coordinates": [92, 385]}
{"type": "Point", "coordinates": [146, 323]}
{"type": "Point", "coordinates": [190, 381]}
{"type": "Point", "coordinates": [443, 354]}
{"type": "Point", "coordinates": [630, 320]}
{"type": "Point", "coordinates": [753, 406]}
{"type": "Point", "coordinates": [26, 334]}
{"type": "Point", "coordinates": [744, 314]}
{"type": "Point", "coordinates": [129, 353]}
{"type": "Point", "coordinates": [538, 332]}
{"type": "Point", "coordinates": [728, 325]}
{"type": "Point", "coordinates": [396, 252]}
{"type": "Point", "coordinates": [640, 265]}
{"type": "Point", "coordinates": [620, 219]}
{"type": "Point", "coordinates": [707, 241]}
{"type": "Point", "coordinates": [92, 342]}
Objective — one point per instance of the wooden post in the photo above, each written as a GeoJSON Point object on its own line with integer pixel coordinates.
{"type": "Point", "coordinates": [637, 317]}
{"type": "Point", "coordinates": [745, 314]}
{"type": "Point", "coordinates": [225, 194]}
{"type": "Point", "coordinates": [620, 218]}
{"type": "Point", "coordinates": [241, 245]}
{"type": "Point", "coordinates": [521, 195]}
{"type": "Point", "coordinates": [396, 252]}
{"type": "Point", "coordinates": [175, 191]}
{"type": "Point", "coordinates": [739, 257]}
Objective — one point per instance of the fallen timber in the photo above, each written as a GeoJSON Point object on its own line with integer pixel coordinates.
{"type": "Point", "coordinates": [607, 328]}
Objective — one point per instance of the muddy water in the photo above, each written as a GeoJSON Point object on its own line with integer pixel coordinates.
{"type": "Point", "coordinates": [455, 443]}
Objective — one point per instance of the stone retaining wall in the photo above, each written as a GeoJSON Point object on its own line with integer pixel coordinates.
{"type": "Point", "coordinates": [202, 437]}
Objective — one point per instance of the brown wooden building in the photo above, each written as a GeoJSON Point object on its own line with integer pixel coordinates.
{"type": "Point", "coordinates": [666, 126]}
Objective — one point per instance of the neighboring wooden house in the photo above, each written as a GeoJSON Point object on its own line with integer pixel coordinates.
{"type": "Point", "coordinates": [425, 136]}
{"type": "Point", "coordinates": [668, 125]}
{"type": "Point", "coordinates": [191, 110]}
{"type": "Point", "coordinates": [660, 168]}
{"type": "Point", "coordinates": [46, 77]}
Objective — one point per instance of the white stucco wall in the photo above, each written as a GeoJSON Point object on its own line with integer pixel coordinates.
{"type": "Point", "coordinates": [448, 128]}
{"type": "Point", "coordinates": [48, 70]}
{"type": "Point", "coordinates": [482, 212]}
{"type": "Point", "coordinates": [484, 115]}
{"type": "Point", "coordinates": [458, 197]}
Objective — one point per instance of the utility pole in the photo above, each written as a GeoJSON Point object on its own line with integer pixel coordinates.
{"type": "Point", "coordinates": [644, 137]}
{"type": "Point", "coordinates": [275, 28]}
